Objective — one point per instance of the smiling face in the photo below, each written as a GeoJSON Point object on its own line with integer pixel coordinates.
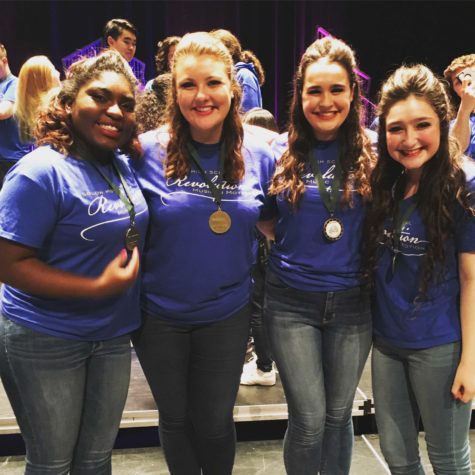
{"type": "Point", "coordinates": [203, 91]}
{"type": "Point", "coordinates": [125, 44]}
{"type": "Point", "coordinates": [326, 98]}
{"type": "Point", "coordinates": [102, 114]}
{"type": "Point", "coordinates": [412, 134]}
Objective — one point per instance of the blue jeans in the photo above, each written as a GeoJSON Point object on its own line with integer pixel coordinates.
{"type": "Point", "coordinates": [320, 342]}
{"type": "Point", "coordinates": [194, 373]}
{"type": "Point", "coordinates": [68, 397]}
{"type": "Point", "coordinates": [409, 384]}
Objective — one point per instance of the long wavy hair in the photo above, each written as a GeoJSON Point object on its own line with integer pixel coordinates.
{"type": "Point", "coordinates": [54, 124]}
{"type": "Point", "coordinates": [355, 149]}
{"type": "Point", "coordinates": [37, 76]}
{"type": "Point", "coordinates": [442, 183]}
{"type": "Point", "coordinates": [238, 54]}
{"type": "Point", "coordinates": [161, 57]}
{"type": "Point", "coordinates": [177, 162]}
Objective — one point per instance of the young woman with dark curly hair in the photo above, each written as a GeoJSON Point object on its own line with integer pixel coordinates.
{"type": "Point", "coordinates": [205, 181]}
{"type": "Point", "coordinates": [420, 248]}
{"type": "Point", "coordinates": [70, 299]}
{"type": "Point", "coordinates": [317, 308]}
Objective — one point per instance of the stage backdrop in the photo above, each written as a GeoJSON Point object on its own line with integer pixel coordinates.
{"type": "Point", "coordinates": [384, 34]}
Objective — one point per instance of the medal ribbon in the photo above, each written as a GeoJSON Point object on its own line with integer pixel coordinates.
{"type": "Point", "coordinates": [215, 191]}
{"type": "Point", "coordinates": [330, 199]}
{"type": "Point", "coordinates": [126, 199]}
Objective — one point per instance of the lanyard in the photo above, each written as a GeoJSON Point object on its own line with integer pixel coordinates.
{"type": "Point", "coordinates": [330, 198]}
{"type": "Point", "coordinates": [126, 199]}
{"type": "Point", "coordinates": [215, 190]}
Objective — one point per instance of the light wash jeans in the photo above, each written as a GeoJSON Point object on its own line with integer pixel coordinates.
{"type": "Point", "coordinates": [68, 397]}
{"type": "Point", "coordinates": [409, 384]}
{"type": "Point", "coordinates": [320, 342]}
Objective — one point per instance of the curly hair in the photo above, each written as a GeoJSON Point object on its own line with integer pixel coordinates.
{"type": "Point", "coordinates": [54, 125]}
{"type": "Point", "coordinates": [151, 105]}
{"type": "Point", "coordinates": [442, 183]}
{"type": "Point", "coordinates": [177, 162]}
{"type": "Point", "coordinates": [356, 157]}
{"type": "Point", "coordinates": [161, 57]}
{"type": "Point", "coordinates": [238, 54]}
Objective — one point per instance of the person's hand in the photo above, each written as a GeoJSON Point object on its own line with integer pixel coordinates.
{"type": "Point", "coordinates": [118, 274]}
{"type": "Point", "coordinates": [463, 388]}
{"type": "Point", "coordinates": [467, 94]}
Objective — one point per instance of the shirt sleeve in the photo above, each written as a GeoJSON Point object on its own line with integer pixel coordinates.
{"type": "Point", "coordinates": [28, 209]}
{"type": "Point", "coordinates": [464, 221]}
{"type": "Point", "coordinates": [10, 93]}
{"type": "Point", "coordinates": [269, 210]}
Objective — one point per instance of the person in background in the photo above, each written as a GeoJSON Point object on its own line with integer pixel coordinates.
{"type": "Point", "coordinates": [121, 35]}
{"type": "Point", "coordinates": [11, 148]}
{"type": "Point", "coordinates": [461, 75]}
{"type": "Point", "coordinates": [259, 370]}
{"type": "Point", "coordinates": [151, 104]}
{"type": "Point", "coordinates": [72, 220]}
{"type": "Point", "coordinates": [317, 304]}
{"type": "Point", "coordinates": [205, 181]}
{"type": "Point", "coordinates": [249, 71]}
{"type": "Point", "coordinates": [420, 249]}
{"type": "Point", "coordinates": [164, 58]}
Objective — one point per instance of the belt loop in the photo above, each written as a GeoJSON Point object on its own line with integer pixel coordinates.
{"type": "Point", "coordinates": [329, 313]}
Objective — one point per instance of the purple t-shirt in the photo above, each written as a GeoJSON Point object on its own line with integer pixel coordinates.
{"type": "Point", "coordinates": [192, 275]}
{"type": "Point", "coordinates": [435, 320]}
{"type": "Point", "coordinates": [301, 257]}
{"type": "Point", "coordinates": [63, 208]}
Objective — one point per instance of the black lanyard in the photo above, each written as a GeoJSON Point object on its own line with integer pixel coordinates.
{"type": "Point", "coordinates": [330, 199]}
{"type": "Point", "coordinates": [126, 199]}
{"type": "Point", "coordinates": [216, 191]}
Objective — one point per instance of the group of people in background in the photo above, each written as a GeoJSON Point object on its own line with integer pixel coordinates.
{"type": "Point", "coordinates": [109, 237]}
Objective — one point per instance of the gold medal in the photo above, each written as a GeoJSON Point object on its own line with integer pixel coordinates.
{"type": "Point", "coordinates": [332, 229]}
{"type": "Point", "coordinates": [132, 237]}
{"type": "Point", "coordinates": [219, 222]}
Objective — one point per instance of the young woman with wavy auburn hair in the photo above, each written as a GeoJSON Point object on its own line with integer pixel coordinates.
{"type": "Point", "coordinates": [205, 182]}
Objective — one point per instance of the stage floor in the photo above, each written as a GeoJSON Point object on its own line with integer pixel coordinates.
{"type": "Point", "coordinates": [254, 403]}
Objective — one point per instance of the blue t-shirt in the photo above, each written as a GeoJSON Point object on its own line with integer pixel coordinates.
{"type": "Point", "coordinates": [11, 147]}
{"type": "Point", "coordinates": [64, 209]}
{"type": "Point", "coordinates": [301, 257]}
{"type": "Point", "coordinates": [251, 90]}
{"type": "Point", "coordinates": [190, 274]}
{"type": "Point", "coordinates": [470, 151]}
{"type": "Point", "coordinates": [434, 320]}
